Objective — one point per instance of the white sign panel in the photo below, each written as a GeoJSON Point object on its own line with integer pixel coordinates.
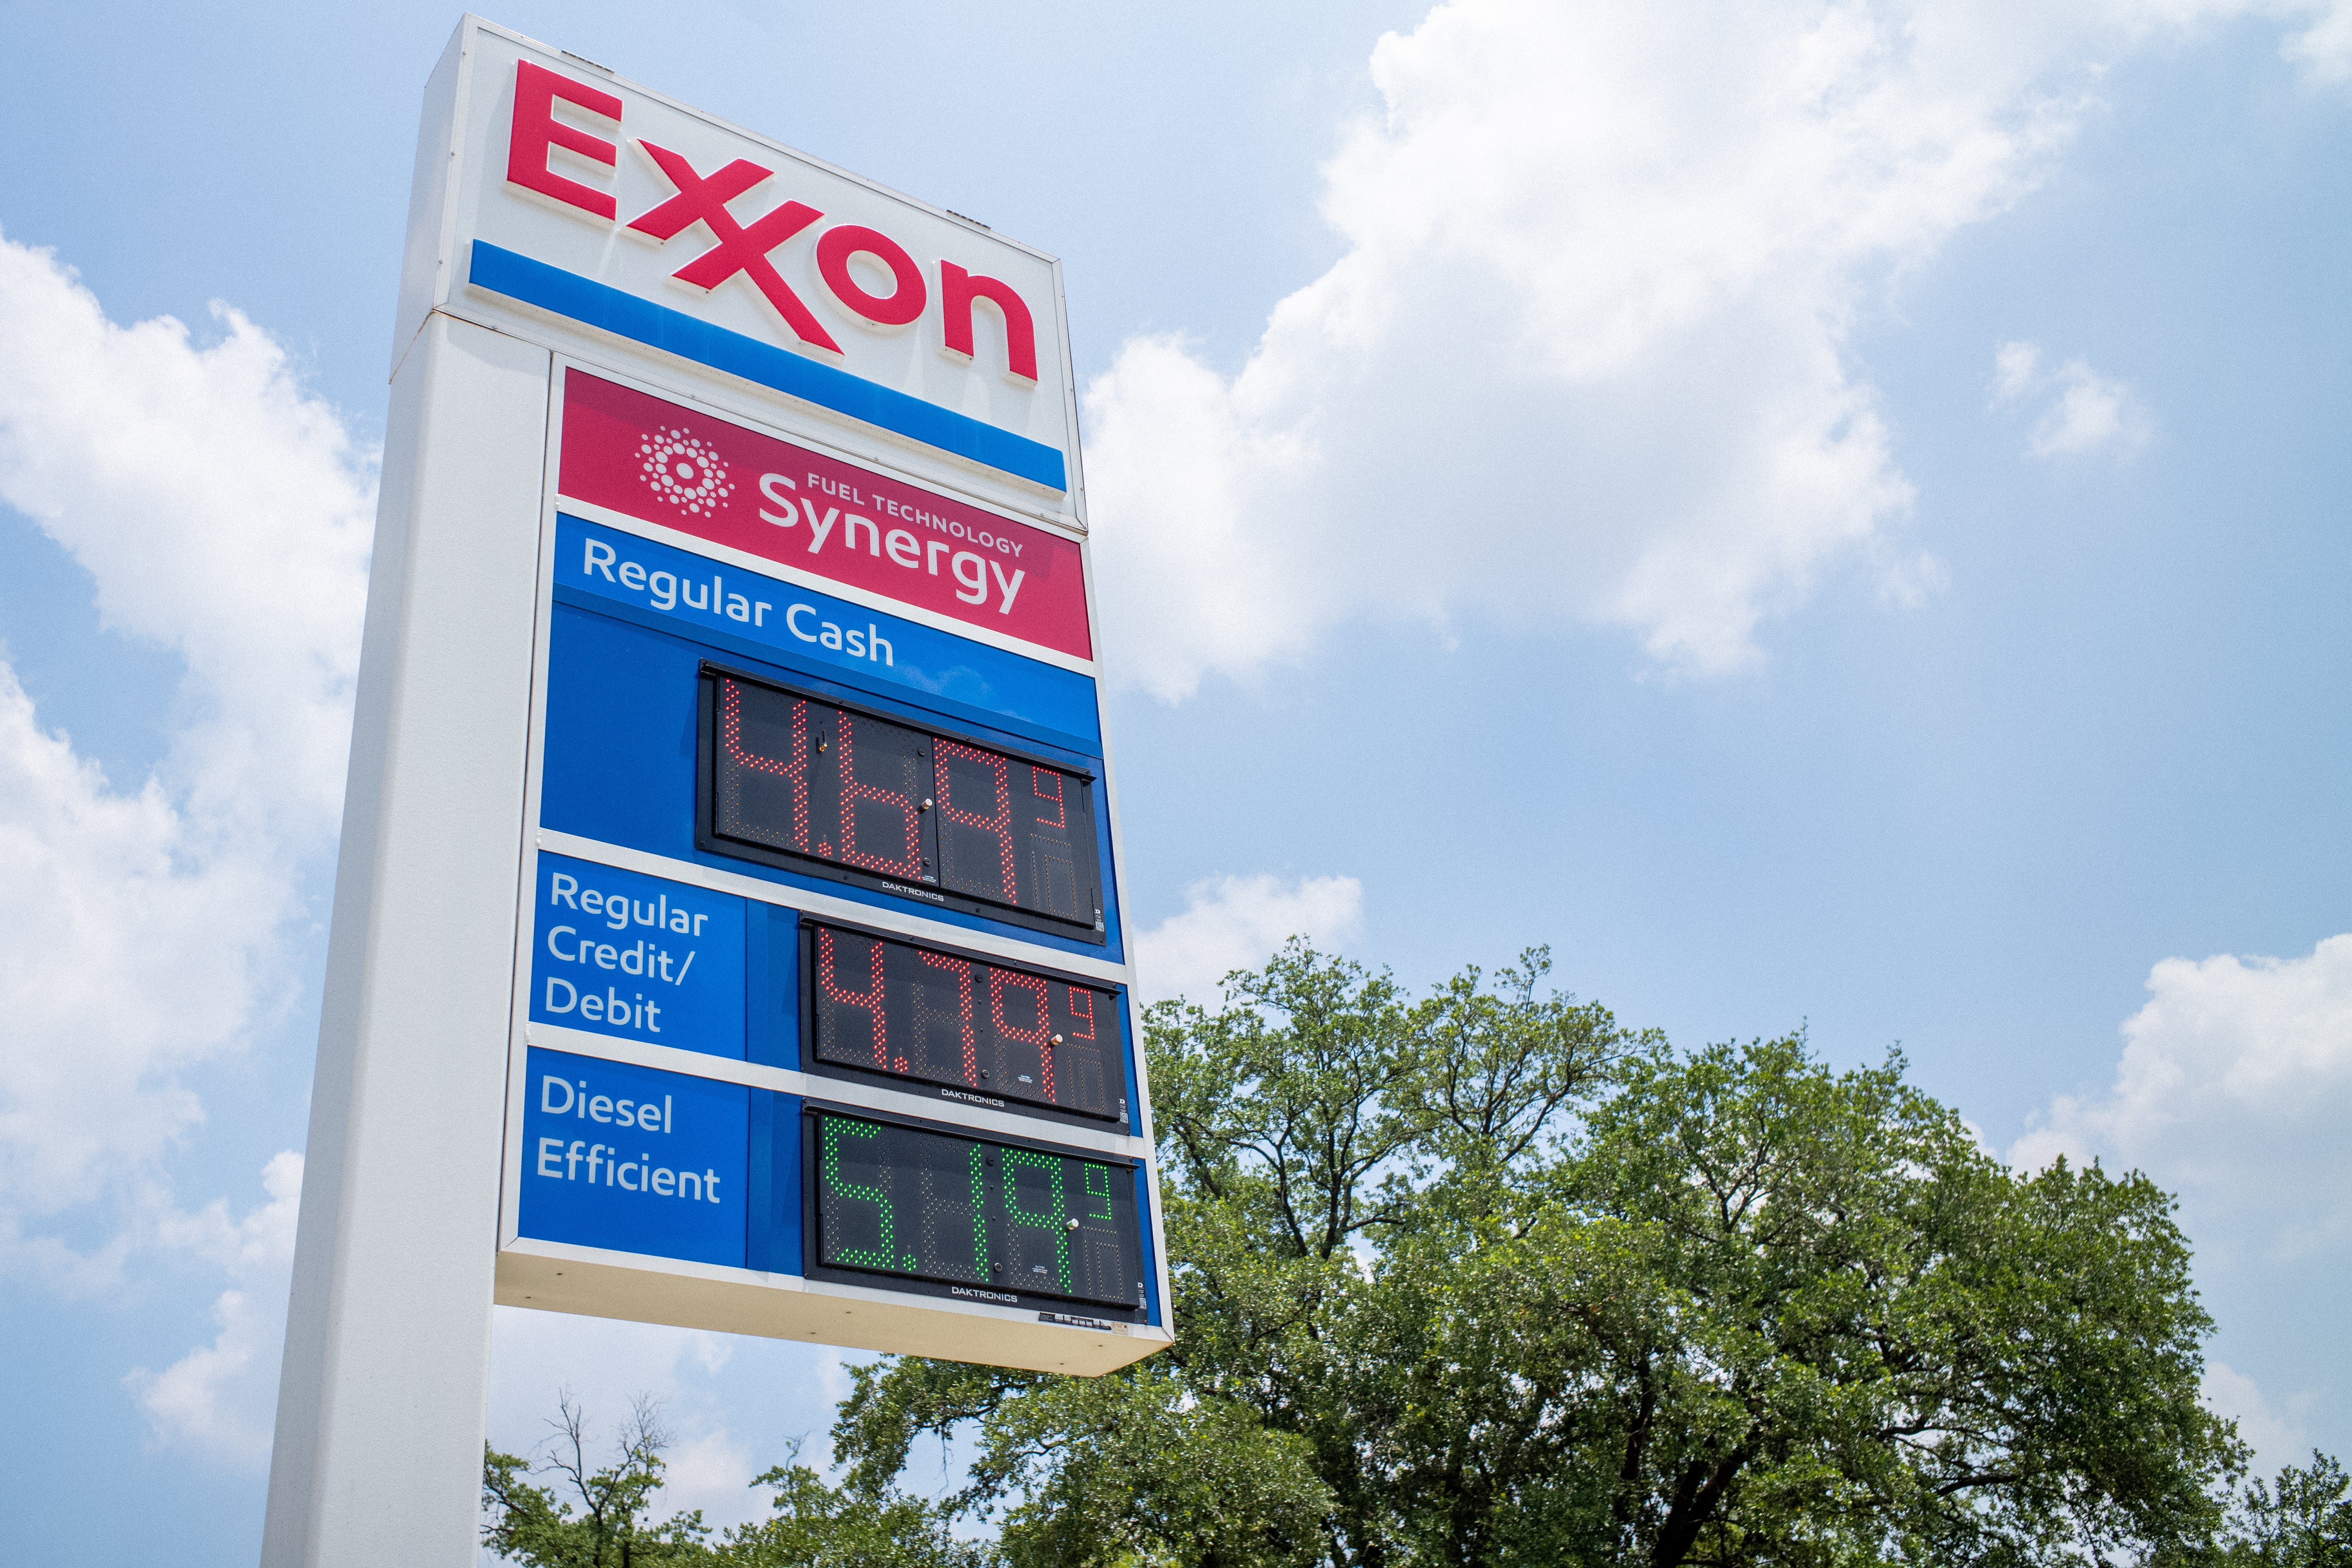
{"type": "Point", "coordinates": [579, 208]}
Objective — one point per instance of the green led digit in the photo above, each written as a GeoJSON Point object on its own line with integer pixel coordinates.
{"type": "Point", "coordinates": [1102, 1192]}
{"type": "Point", "coordinates": [1052, 1221]}
{"type": "Point", "coordinates": [880, 1257]}
{"type": "Point", "coordinates": [979, 1215]}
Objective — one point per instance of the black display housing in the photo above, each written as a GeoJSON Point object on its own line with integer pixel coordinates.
{"type": "Point", "coordinates": [941, 817]}
{"type": "Point", "coordinates": [1047, 1224]}
{"type": "Point", "coordinates": [971, 1028]}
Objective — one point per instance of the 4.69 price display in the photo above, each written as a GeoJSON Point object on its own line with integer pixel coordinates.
{"type": "Point", "coordinates": [842, 791]}
{"type": "Point", "coordinates": [892, 1199]}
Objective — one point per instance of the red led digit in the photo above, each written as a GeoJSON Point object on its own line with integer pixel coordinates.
{"type": "Point", "coordinates": [962, 973]}
{"type": "Point", "coordinates": [999, 823]}
{"type": "Point", "coordinates": [868, 1002]}
{"type": "Point", "coordinates": [1037, 788]}
{"type": "Point", "coordinates": [855, 789]}
{"type": "Point", "coordinates": [1042, 1035]}
{"type": "Point", "coordinates": [1076, 996]}
{"type": "Point", "coordinates": [732, 700]}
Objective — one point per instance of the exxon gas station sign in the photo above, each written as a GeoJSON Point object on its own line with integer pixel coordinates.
{"type": "Point", "coordinates": [729, 931]}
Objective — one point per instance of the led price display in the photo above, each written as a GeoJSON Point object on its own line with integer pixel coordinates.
{"type": "Point", "coordinates": [930, 1205]}
{"type": "Point", "coordinates": [797, 774]}
{"type": "Point", "coordinates": [900, 1007]}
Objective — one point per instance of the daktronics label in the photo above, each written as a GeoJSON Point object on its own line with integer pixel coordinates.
{"type": "Point", "coordinates": [657, 461]}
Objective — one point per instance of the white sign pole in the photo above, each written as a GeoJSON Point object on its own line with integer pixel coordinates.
{"type": "Point", "coordinates": [381, 1404]}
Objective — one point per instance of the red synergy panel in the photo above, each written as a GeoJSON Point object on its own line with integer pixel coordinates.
{"type": "Point", "coordinates": [661, 463]}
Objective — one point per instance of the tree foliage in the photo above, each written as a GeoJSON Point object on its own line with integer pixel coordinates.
{"type": "Point", "coordinates": [816, 1525]}
{"type": "Point", "coordinates": [603, 1518]}
{"type": "Point", "coordinates": [589, 1518]}
{"type": "Point", "coordinates": [2304, 1521]}
{"type": "Point", "coordinates": [1484, 1279]}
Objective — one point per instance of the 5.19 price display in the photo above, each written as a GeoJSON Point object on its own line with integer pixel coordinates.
{"type": "Point", "coordinates": [893, 1199]}
{"type": "Point", "coordinates": [844, 790]}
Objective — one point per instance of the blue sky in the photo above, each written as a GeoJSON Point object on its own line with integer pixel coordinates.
{"type": "Point", "coordinates": [1826, 516]}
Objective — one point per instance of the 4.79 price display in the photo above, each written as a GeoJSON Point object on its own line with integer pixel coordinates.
{"type": "Point", "coordinates": [840, 790]}
{"type": "Point", "coordinates": [892, 1199]}
{"type": "Point", "coordinates": [889, 1006]}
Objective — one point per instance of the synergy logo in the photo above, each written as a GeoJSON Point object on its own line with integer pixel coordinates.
{"type": "Point", "coordinates": [685, 470]}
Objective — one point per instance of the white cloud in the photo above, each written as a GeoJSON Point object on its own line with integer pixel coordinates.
{"type": "Point", "coordinates": [1235, 922]}
{"type": "Point", "coordinates": [2083, 411]}
{"type": "Point", "coordinates": [219, 1398]}
{"type": "Point", "coordinates": [2234, 1089]}
{"type": "Point", "coordinates": [262, 1239]}
{"type": "Point", "coordinates": [2323, 49]}
{"type": "Point", "coordinates": [2016, 368]}
{"type": "Point", "coordinates": [125, 952]}
{"type": "Point", "coordinates": [712, 1471]}
{"type": "Point", "coordinates": [2092, 414]}
{"type": "Point", "coordinates": [1586, 357]}
{"type": "Point", "coordinates": [224, 513]}
{"type": "Point", "coordinates": [2279, 1438]}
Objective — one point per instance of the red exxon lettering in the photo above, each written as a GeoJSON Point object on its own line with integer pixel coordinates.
{"type": "Point", "coordinates": [901, 305]}
{"type": "Point", "coordinates": [534, 132]}
{"type": "Point", "coordinates": [535, 129]}
{"type": "Point", "coordinates": [703, 198]}
{"type": "Point", "coordinates": [960, 291]}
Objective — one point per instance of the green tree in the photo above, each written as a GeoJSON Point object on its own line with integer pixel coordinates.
{"type": "Point", "coordinates": [595, 1518]}
{"type": "Point", "coordinates": [590, 1518]}
{"type": "Point", "coordinates": [2304, 1521]}
{"type": "Point", "coordinates": [1485, 1278]}
{"type": "Point", "coordinates": [816, 1525]}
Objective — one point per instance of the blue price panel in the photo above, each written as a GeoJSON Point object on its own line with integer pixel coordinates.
{"type": "Point", "coordinates": [625, 760]}
{"type": "Point", "coordinates": [641, 957]}
{"type": "Point", "coordinates": [665, 1165]}
{"type": "Point", "coordinates": [635, 1159]}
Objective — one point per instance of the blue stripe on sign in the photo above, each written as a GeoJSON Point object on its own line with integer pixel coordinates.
{"type": "Point", "coordinates": [503, 271]}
